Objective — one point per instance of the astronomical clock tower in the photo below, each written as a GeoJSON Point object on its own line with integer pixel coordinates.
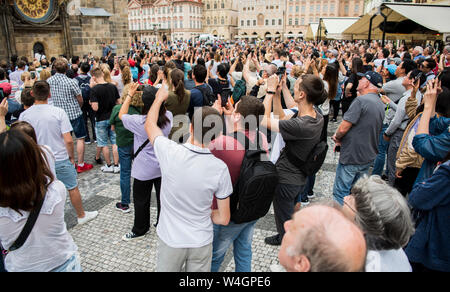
{"type": "Point", "coordinates": [61, 27]}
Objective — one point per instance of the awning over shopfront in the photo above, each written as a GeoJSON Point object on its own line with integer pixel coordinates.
{"type": "Point", "coordinates": [333, 27]}
{"type": "Point", "coordinates": [431, 18]}
{"type": "Point", "coordinates": [312, 30]}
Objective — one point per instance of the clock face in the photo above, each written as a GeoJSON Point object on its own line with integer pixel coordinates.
{"type": "Point", "coordinates": [36, 11]}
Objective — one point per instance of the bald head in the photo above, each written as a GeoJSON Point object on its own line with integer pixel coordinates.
{"type": "Point", "coordinates": [321, 239]}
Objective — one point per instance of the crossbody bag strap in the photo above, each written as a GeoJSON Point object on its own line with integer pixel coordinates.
{"type": "Point", "coordinates": [27, 228]}
{"type": "Point", "coordinates": [141, 148]}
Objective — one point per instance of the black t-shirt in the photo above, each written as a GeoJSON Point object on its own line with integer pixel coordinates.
{"type": "Point", "coordinates": [301, 134]}
{"type": "Point", "coordinates": [218, 85]}
{"type": "Point", "coordinates": [106, 95]}
{"type": "Point", "coordinates": [354, 80]}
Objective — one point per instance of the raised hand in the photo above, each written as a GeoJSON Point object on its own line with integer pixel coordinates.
{"type": "Point", "coordinates": [132, 89]}
{"type": "Point", "coordinates": [4, 108]}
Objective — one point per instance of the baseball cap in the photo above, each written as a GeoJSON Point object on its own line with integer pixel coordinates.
{"type": "Point", "coordinates": [392, 68]}
{"type": "Point", "coordinates": [373, 77]}
{"type": "Point", "coordinates": [131, 62]}
{"type": "Point", "coordinates": [334, 52]}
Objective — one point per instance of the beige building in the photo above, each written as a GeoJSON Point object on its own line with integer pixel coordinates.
{"type": "Point", "coordinates": [156, 20]}
{"type": "Point", "coordinates": [300, 13]}
{"type": "Point", "coordinates": [261, 19]}
{"type": "Point", "coordinates": [220, 18]}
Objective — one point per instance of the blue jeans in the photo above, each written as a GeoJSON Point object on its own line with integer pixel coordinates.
{"type": "Point", "coordinates": [241, 236]}
{"type": "Point", "coordinates": [310, 181]}
{"type": "Point", "coordinates": [125, 160]}
{"type": "Point", "coordinates": [378, 166]}
{"type": "Point", "coordinates": [346, 177]}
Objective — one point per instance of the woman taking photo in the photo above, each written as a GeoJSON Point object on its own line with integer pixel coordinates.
{"type": "Point", "coordinates": [145, 169]}
{"type": "Point", "coordinates": [125, 139]}
{"type": "Point", "coordinates": [26, 183]}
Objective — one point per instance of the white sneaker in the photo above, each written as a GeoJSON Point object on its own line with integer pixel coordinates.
{"type": "Point", "coordinates": [117, 169]}
{"type": "Point", "coordinates": [277, 268]}
{"type": "Point", "coordinates": [88, 216]}
{"type": "Point", "coordinates": [107, 169]}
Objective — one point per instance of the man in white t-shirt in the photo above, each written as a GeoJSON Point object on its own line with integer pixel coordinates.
{"type": "Point", "coordinates": [53, 128]}
{"type": "Point", "coordinates": [191, 178]}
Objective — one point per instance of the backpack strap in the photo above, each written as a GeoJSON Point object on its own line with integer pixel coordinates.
{"type": "Point", "coordinates": [204, 94]}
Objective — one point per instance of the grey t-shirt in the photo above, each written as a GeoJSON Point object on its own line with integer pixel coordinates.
{"type": "Point", "coordinates": [394, 90]}
{"type": "Point", "coordinates": [360, 144]}
{"type": "Point", "coordinates": [302, 134]}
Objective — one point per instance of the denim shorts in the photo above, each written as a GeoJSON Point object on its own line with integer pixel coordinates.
{"type": "Point", "coordinates": [79, 128]}
{"type": "Point", "coordinates": [104, 133]}
{"type": "Point", "coordinates": [65, 172]}
{"type": "Point", "coordinates": [71, 265]}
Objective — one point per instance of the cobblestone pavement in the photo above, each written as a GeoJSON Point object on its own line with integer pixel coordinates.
{"type": "Point", "coordinates": [100, 244]}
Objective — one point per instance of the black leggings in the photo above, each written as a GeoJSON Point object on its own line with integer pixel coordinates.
{"type": "Point", "coordinates": [336, 105]}
{"type": "Point", "coordinates": [142, 191]}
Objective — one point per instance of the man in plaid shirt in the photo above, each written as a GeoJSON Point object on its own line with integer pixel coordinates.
{"type": "Point", "coordinates": [66, 94]}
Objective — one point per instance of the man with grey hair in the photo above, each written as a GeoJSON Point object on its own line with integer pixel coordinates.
{"type": "Point", "coordinates": [418, 53]}
{"type": "Point", "coordinates": [384, 216]}
{"type": "Point", "coordinates": [320, 239]}
{"type": "Point", "coordinates": [359, 134]}
{"type": "Point", "coordinates": [445, 58]}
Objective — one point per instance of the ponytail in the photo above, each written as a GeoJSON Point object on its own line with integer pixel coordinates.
{"type": "Point", "coordinates": [177, 78]}
{"type": "Point", "coordinates": [126, 75]}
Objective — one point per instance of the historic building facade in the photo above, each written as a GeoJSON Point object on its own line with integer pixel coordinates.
{"type": "Point", "coordinates": [152, 21]}
{"type": "Point", "coordinates": [61, 27]}
{"type": "Point", "coordinates": [281, 19]}
{"type": "Point", "coordinates": [261, 19]}
{"type": "Point", "coordinates": [220, 18]}
{"type": "Point", "coordinates": [301, 13]}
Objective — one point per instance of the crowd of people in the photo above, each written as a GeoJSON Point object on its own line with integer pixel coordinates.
{"type": "Point", "coordinates": [221, 133]}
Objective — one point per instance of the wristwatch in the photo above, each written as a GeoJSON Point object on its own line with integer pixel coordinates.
{"type": "Point", "coordinates": [271, 92]}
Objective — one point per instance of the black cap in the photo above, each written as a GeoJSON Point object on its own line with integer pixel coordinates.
{"type": "Point", "coordinates": [373, 77]}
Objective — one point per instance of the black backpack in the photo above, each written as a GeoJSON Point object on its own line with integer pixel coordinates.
{"type": "Point", "coordinates": [208, 96]}
{"type": "Point", "coordinates": [255, 188]}
{"type": "Point", "coordinates": [314, 160]}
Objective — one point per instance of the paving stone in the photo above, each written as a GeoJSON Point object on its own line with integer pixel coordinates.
{"type": "Point", "coordinates": [100, 244]}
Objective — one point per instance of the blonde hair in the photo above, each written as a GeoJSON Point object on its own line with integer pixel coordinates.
{"type": "Point", "coordinates": [106, 73]}
{"type": "Point", "coordinates": [297, 71]}
{"type": "Point", "coordinates": [45, 74]}
{"type": "Point", "coordinates": [136, 100]}
{"type": "Point", "coordinates": [25, 76]}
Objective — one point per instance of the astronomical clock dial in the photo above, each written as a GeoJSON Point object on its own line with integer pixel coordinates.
{"type": "Point", "coordinates": [36, 11]}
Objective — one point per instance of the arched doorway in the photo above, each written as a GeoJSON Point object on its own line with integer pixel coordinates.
{"type": "Point", "coordinates": [38, 47]}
